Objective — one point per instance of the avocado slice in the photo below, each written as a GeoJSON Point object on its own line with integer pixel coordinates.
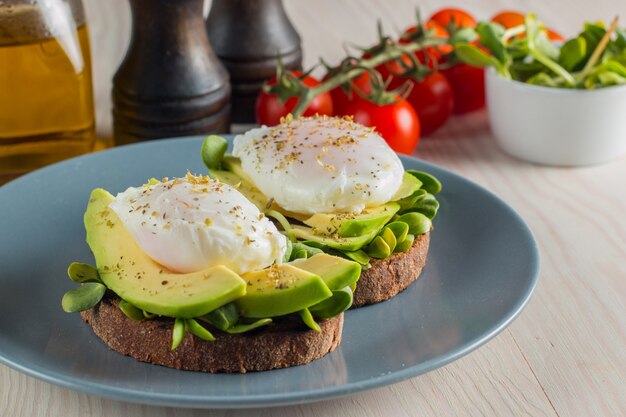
{"type": "Point", "coordinates": [233, 164]}
{"type": "Point", "coordinates": [410, 184]}
{"type": "Point", "coordinates": [352, 225]}
{"type": "Point", "coordinates": [335, 242]}
{"type": "Point", "coordinates": [280, 290]}
{"type": "Point", "coordinates": [335, 271]}
{"type": "Point", "coordinates": [238, 179]}
{"type": "Point", "coordinates": [244, 187]}
{"type": "Point", "coordinates": [126, 270]}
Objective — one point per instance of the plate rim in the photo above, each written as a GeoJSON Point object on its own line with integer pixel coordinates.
{"type": "Point", "coordinates": [281, 399]}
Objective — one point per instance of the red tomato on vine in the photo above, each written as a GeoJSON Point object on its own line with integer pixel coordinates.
{"type": "Point", "coordinates": [397, 123]}
{"type": "Point", "coordinates": [341, 99]}
{"type": "Point", "coordinates": [459, 17]}
{"type": "Point", "coordinates": [430, 55]}
{"type": "Point", "coordinates": [468, 86]}
{"type": "Point", "coordinates": [269, 108]}
{"type": "Point", "coordinates": [432, 98]}
{"type": "Point", "coordinates": [509, 19]}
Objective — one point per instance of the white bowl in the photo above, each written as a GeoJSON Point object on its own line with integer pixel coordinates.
{"type": "Point", "coordinates": [557, 126]}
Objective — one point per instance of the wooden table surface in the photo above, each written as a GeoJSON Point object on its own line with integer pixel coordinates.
{"type": "Point", "coordinates": [564, 356]}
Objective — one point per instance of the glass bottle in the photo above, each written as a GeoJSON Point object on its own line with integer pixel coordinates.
{"type": "Point", "coordinates": [46, 96]}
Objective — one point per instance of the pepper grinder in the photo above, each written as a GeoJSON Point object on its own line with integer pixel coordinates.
{"type": "Point", "coordinates": [248, 37]}
{"type": "Point", "coordinates": [170, 82]}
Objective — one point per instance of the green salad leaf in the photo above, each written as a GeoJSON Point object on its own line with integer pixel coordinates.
{"type": "Point", "coordinates": [573, 53]}
{"type": "Point", "coordinates": [594, 58]}
{"type": "Point", "coordinates": [213, 149]}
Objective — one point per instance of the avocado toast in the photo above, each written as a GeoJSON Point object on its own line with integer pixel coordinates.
{"type": "Point", "coordinates": [189, 274]}
{"type": "Point", "coordinates": [335, 187]}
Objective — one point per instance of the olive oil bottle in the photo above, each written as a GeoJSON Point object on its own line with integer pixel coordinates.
{"type": "Point", "coordinates": [46, 99]}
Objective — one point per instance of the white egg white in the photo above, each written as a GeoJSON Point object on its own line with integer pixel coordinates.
{"type": "Point", "coordinates": [320, 164]}
{"type": "Point", "coordinates": [192, 223]}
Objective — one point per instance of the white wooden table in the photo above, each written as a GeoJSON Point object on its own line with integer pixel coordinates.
{"type": "Point", "coordinates": [564, 356]}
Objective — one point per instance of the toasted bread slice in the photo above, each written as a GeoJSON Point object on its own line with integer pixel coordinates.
{"type": "Point", "coordinates": [390, 276]}
{"type": "Point", "coordinates": [286, 343]}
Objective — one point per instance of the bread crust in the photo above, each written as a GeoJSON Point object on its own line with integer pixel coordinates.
{"type": "Point", "coordinates": [285, 344]}
{"type": "Point", "coordinates": [288, 343]}
{"type": "Point", "coordinates": [390, 276]}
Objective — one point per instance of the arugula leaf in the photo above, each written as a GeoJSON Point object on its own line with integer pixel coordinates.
{"type": "Point", "coordinates": [198, 330]}
{"type": "Point", "coordinates": [309, 320]}
{"type": "Point", "coordinates": [131, 311]}
{"type": "Point", "coordinates": [212, 151]}
{"type": "Point", "coordinates": [517, 49]}
{"type": "Point", "coordinates": [592, 34]}
{"type": "Point", "coordinates": [537, 40]}
{"type": "Point", "coordinates": [83, 298]}
{"type": "Point", "coordinates": [610, 78]}
{"type": "Point", "coordinates": [340, 301]}
{"type": "Point", "coordinates": [522, 71]}
{"type": "Point", "coordinates": [573, 53]}
{"type": "Point", "coordinates": [474, 56]}
{"type": "Point", "coordinates": [620, 40]}
{"type": "Point", "coordinates": [178, 332]}
{"type": "Point", "coordinates": [224, 317]}
{"type": "Point", "coordinates": [464, 35]}
{"type": "Point", "coordinates": [595, 58]}
{"type": "Point", "coordinates": [246, 327]}
{"type": "Point", "coordinates": [617, 67]}
{"type": "Point", "coordinates": [491, 37]}
{"type": "Point", "coordinates": [545, 45]}
{"type": "Point", "coordinates": [542, 79]}
{"type": "Point", "coordinates": [612, 72]}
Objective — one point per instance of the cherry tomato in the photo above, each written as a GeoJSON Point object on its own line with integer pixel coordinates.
{"type": "Point", "coordinates": [341, 99]}
{"type": "Point", "coordinates": [397, 123]}
{"type": "Point", "coordinates": [433, 52]}
{"type": "Point", "coordinates": [393, 68]}
{"type": "Point", "coordinates": [468, 87]}
{"type": "Point", "coordinates": [269, 108]}
{"type": "Point", "coordinates": [432, 99]}
{"type": "Point", "coordinates": [461, 18]}
{"type": "Point", "coordinates": [390, 68]}
{"type": "Point", "coordinates": [508, 19]}
{"type": "Point", "coordinates": [554, 36]}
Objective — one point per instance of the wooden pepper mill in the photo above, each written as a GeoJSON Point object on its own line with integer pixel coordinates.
{"type": "Point", "coordinates": [249, 36]}
{"type": "Point", "coordinates": [170, 82]}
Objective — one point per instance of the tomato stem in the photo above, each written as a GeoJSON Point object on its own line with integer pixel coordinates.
{"type": "Point", "coordinates": [389, 52]}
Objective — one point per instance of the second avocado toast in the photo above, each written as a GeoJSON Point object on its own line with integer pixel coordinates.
{"type": "Point", "coordinates": [389, 238]}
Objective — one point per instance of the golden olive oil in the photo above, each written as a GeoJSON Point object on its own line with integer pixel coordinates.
{"type": "Point", "coordinates": [46, 99]}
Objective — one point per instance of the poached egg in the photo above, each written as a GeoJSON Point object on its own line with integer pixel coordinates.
{"type": "Point", "coordinates": [320, 164]}
{"type": "Point", "coordinates": [192, 223]}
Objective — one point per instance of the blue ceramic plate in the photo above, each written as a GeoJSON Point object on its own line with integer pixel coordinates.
{"type": "Point", "coordinates": [481, 270]}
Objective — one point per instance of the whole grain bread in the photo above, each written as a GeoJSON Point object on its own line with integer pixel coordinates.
{"type": "Point", "coordinates": [390, 276]}
{"type": "Point", "coordinates": [286, 343]}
